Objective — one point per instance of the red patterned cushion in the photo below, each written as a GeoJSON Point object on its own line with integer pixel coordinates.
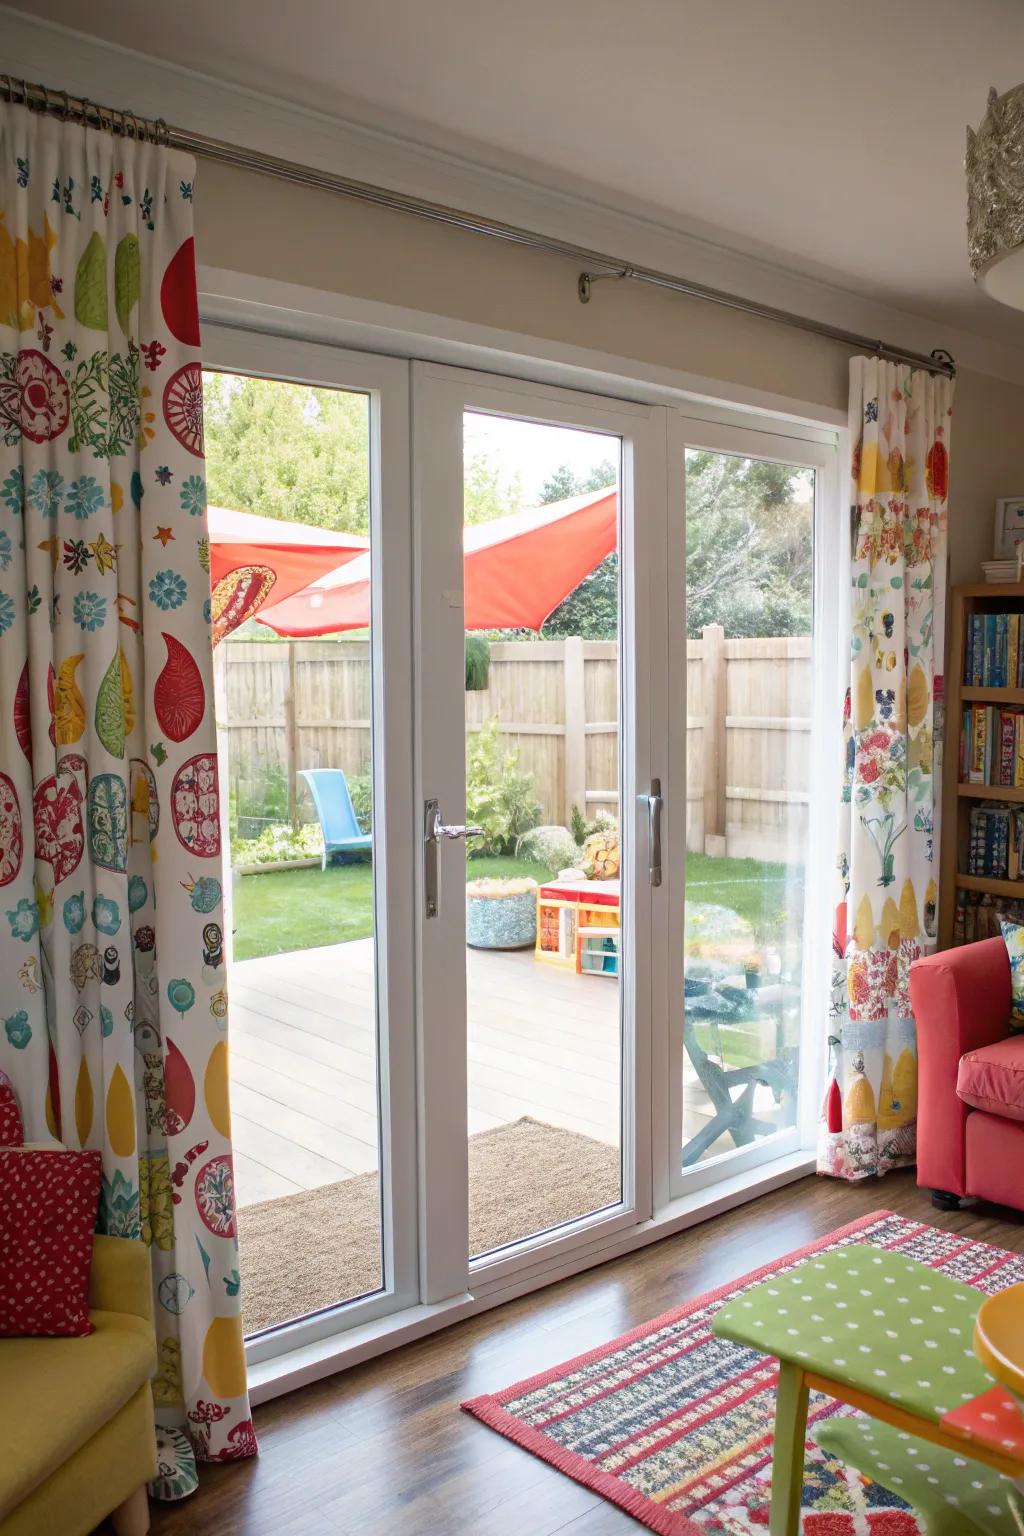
{"type": "Point", "coordinates": [48, 1201]}
{"type": "Point", "coordinates": [12, 1132]}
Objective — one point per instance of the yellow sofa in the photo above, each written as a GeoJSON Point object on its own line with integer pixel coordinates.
{"type": "Point", "coordinates": [76, 1415]}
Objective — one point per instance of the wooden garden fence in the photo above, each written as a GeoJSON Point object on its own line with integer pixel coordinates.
{"type": "Point", "coordinates": [306, 704]}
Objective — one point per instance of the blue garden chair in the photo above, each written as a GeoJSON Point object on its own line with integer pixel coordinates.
{"type": "Point", "coordinates": [338, 823]}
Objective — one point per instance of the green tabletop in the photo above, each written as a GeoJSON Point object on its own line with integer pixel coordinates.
{"type": "Point", "coordinates": [870, 1319]}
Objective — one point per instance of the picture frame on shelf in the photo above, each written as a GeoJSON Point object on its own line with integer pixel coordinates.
{"type": "Point", "coordinates": [1009, 531]}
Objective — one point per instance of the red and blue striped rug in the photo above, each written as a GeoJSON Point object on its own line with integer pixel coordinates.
{"type": "Point", "coordinates": [675, 1426]}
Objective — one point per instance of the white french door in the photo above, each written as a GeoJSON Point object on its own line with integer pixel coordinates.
{"type": "Point", "coordinates": [525, 1060]}
{"type": "Point", "coordinates": [477, 1105]}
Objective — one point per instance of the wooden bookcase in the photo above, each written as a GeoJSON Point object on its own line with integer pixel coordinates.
{"type": "Point", "coordinates": [957, 798]}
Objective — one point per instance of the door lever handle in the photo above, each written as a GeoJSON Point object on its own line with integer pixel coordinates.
{"type": "Point", "coordinates": [434, 830]}
{"type": "Point", "coordinates": [654, 809]}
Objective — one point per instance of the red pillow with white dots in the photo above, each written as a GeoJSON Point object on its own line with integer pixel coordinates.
{"type": "Point", "coordinates": [48, 1203]}
{"type": "Point", "coordinates": [12, 1132]}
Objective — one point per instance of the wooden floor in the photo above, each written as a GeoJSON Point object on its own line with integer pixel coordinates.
{"type": "Point", "coordinates": [543, 1042]}
{"type": "Point", "coordinates": [382, 1450]}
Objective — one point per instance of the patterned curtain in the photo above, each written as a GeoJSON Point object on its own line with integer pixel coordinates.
{"type": "Point", "coordinates": [892, 734]}
{"type": "Point", "coordinates": [112, 979]}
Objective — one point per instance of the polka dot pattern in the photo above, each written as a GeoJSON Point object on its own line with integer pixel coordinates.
{"type": "Point", "coordinates": [48, 1202]}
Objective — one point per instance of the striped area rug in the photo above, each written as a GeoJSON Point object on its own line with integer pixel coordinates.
{"type": "Point", "coordinates": [675, 1426]}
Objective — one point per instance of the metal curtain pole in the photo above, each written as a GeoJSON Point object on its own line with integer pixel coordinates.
{"type": "Point", "coordinates": [595, 265]}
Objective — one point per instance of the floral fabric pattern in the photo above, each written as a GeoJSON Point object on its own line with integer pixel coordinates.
{"type": "Point", "coordinates": [112, 983]}
{"type": "Point", "coordinates": [886, 912]}
{"type": "Point", "coordinates": [1013, 938]}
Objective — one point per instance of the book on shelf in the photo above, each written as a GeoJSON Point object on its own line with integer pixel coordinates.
{"type": "Point", "coordinates": [995, 842]}
{"type": "Point", "coordinates": [978, 916]}
{"type": "Point", "coordinates": [993, 652]}
{"type": "Point", "coordinates": [992, 746]}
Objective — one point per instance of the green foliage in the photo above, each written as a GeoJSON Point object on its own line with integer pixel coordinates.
{"type": "Point", "coordinates": [591, 610]}
{"type": "Point", "coordinates": [277, 843]}
{"type": "Point", "coordinates": [499, 797]}
{"type": "Point", "coordinates": [553, 847]}
{"type": "Point", "coordinates": [288, 451]}
{"type": "Point", "coordinates": [582, 828]}
{"type": "Point", "coordinates": [483, 495]}
{"type": "Point", "coordinates": [478, 663]}
{"type": "Point", "coordinates": [748, 546]}
{"type": "Point", "coordinates": [361, 790]}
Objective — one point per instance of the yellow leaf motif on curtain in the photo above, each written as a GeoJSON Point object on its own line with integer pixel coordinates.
{"type": "Point", "coordinates": [68, 704]}
{"type": "Point", "coordinates": [156, 1206]}
{"type": "Point", "coordinates": [910, 922]}
{"type": "Point", "coordinates": [874, 471]}
{"type": "Point", "coordinates": [25, 276]}
{"type": "Point", "coordinates": [83, 1103]}
{"type": "Point", "coordinates": [889, 926]}
{"type": "Point", "coordinates": [864, 711]}
{"type": "Point", "coordinates": [897, 1094]}
{"type": "Point", "coordinates": [860, 1103]}
{"type": "Point", "coordinates": [864, 927]}
{"type": "Point", "coordinates": [917, 696]}
{"type": "Point", "coordinates": [120, 1115]}
{"type": "Point", "coordinates": [167, 1381]}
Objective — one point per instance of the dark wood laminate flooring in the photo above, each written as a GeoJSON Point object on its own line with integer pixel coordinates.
{"type": "Point", "coordinates": [382, 1449]}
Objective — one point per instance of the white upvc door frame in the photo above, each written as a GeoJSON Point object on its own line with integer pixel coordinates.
{"type": "Point", "coordinates": [440, 396]}
{"type": "Point", "coordinates": [817, 448]}
{"type": "Point", "coordinates": [385, 381]}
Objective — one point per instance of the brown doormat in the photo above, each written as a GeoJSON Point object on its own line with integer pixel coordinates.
{"type": "Point", "coordinates": [307, 1251]}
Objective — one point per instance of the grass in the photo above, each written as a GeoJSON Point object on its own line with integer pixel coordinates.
{"type": "Point", "coordinates": [304, 908]}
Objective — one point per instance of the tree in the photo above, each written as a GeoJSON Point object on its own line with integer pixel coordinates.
{"type": "Point", "coordinates": [288, 451]}
{"type": "Point", "coordinates": [591, 610]}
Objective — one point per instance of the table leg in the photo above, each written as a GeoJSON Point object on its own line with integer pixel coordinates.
{"type": "Point", "coordinates": [790, 1448]}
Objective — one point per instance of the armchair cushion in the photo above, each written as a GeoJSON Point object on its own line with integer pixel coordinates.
{"type": "Point", "coordinates": [993, 1078]}
{"type": "Point", "coordinates": [1013, 938]}
{"type": "Point", "coordinates": [58, 1393]}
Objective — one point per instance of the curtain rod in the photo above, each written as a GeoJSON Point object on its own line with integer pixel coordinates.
{"type": "Point", "coordinates": [596, 265]}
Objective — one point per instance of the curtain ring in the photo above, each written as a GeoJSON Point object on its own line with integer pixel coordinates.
{"type": "Point", "coordinates": [65, 105]}
{"type": "Point", "coordinates": [161, 133]}
{"type": "Point", "coordinates": [6, 86]}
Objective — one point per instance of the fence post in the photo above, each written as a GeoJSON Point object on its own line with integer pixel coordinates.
{"type": "Point", "coordinates": [292, 739]}
{"type": "Point", "coordinates": [575, 727]}
{"type": "Point", "coordinates": [715, 775]}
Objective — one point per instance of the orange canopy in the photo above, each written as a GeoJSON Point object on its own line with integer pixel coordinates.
{"type": "Point", "coordinates": [517, 570]}
{"type": "Point", "coordinates": [252, 558]}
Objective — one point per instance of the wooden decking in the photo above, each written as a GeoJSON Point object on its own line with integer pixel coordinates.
{"type": "Point", "coordinates": [543, 1042]}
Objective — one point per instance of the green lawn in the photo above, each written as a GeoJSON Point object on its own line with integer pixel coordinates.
{"type": "Point", "coordinates": [304, 908]}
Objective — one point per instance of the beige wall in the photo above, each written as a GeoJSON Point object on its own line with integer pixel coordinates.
{"type": "Point", "coordinates": [252, 224]}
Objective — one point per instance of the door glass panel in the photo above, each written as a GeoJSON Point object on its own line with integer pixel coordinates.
{"type": "Point", "coordinates": [750, 654]}
{"type": "Point", "coordinates": [295, 734]}
{"type": "Point", "coordinates": [544, 937]}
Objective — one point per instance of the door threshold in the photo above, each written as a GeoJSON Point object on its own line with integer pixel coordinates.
{"type": "Point", "coordinates": [307, 1363]}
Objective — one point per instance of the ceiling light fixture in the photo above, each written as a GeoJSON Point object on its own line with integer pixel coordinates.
{"type": "Point", "coordinates": [995, 198]}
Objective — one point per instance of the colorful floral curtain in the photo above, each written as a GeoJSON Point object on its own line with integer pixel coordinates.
{"type": "Point", "coordinates": [892, 732]}
{"type": "Point", "coordinates": [113, 1009]}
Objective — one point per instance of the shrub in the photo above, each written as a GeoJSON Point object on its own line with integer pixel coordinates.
{"type": "Point", "coordinates": [278, 843]}
{"type": "Point", "coordinates": [552, 846]}
{"type": "Point", "coordinates": [499, 797]}
{"type": "Point", "coordinates": [478, 663]}
{"type": "Point", "coordinates": [360, 788]}
{"type": "Point", "coordinates": [581, 828]}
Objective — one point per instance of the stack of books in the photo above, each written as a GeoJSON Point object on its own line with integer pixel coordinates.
{"type": "Point", "coordinates": [992, 746]}
{"type": "Point", "coordinates": [1000, 571]}
{"type": "Point", "coordinates": [996, 842]}
{"type": "Point", "coordinates": [995, 656]}
{"type": "Point", "coordinates": [978, 917]}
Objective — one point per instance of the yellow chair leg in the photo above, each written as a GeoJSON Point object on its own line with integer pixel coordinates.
{"type": "Point", "coordinates": [790, 1447]}
{"type": "Point", "coordinates": [132, 1517]}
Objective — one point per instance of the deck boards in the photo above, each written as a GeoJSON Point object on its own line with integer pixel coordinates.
{"type": "Point", "coordinates": [543, 1042]}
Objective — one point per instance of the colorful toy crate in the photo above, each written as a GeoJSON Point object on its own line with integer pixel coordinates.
{"type": "Point", "coordinates": [597, 949]}
{"type": "Point", "coordinates": [563, 907]}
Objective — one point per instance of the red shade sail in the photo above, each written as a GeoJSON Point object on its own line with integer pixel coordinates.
{"type": "Point", "coordinates": [517, 570]}
{"type": "Point", "coordinates": [254, 558]}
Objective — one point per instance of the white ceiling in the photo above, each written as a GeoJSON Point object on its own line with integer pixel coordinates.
{"type": "Point", "coordinates": [825, 135]}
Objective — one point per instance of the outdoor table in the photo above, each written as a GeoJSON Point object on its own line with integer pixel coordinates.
{"type": "Point", "coordinates": [878, 1331]}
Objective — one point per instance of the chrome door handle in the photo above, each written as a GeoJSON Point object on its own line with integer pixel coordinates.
{"type": "Point", "coordinates": [434, 829]}
{"type": "Point", "coordinates": [654, 809]}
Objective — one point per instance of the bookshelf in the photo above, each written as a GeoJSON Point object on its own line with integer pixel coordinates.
{"type": "Point", "coordinates": [958, 797]}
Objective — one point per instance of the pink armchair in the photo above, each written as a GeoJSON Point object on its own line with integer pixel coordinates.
{"type": "Point", "coordinates": [970, 1126]}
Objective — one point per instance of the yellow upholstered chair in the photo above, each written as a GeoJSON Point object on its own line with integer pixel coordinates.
{"type": "Point", "coordinates": [77, 1441]}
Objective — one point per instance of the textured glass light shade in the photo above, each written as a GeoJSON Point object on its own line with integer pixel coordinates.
{"type": "Point", "coordinates": [995, 198]}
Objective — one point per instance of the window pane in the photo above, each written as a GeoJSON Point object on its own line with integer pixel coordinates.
{"type": "Point", "coordinates": [304, 1053]}
{"type": "Point", "coordinates": [749, 564]}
